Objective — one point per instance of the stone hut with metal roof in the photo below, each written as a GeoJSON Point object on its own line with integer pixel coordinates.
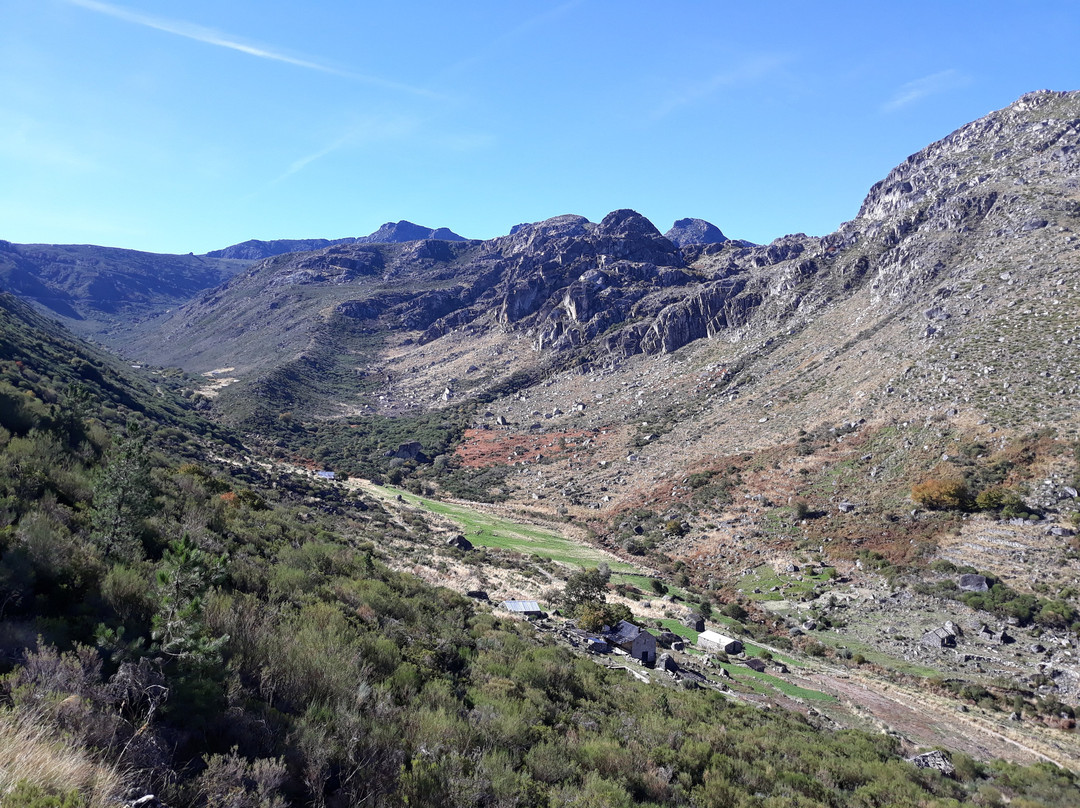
{"type": "Point", "coordinates": [636, 641]}
{"type": "Point", "coordinates": [712, 641]}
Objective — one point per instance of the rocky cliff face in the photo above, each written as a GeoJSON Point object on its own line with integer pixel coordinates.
{"type": "Point", "coordinates": [998, 197]}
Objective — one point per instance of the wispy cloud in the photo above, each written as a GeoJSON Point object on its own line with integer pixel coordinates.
{"type": "Point", "coordinates": [371, 130]}
{"type": "Point", "coordinates": [211, 36]}
{"type": "Point", "coordinates": [750, 70]}
{"type": "Point", "coordinates": [927, 85]}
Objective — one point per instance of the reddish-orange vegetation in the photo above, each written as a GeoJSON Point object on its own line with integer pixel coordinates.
{"type": "Point", "coordinates": [490, 447]}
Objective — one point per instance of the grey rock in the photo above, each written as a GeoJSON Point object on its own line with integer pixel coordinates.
{"type": "Point", "coordinates": [934, 760]}
{"type": "Point", "coordinates": [686, 232]}
{"type": "Point", "coordinates": [973, 583]}
{"type": "Point", "coordinates": [460, 542]}
{"type": "Point", "coordinates": [694, 621]}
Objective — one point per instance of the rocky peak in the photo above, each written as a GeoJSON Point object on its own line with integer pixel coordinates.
{"type": "Point", "coordinates": [689, 232]}
{"type": "Point", "coordinates": [542, 236]}
{"type": "Point", "coordinates": [1036, 137]}
{"type": "Point", "coordinates": [396, 233]}
{"type": "Point", "coordinates": [627, 235]}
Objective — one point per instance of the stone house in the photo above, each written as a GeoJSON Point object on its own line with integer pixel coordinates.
{"type": "Point", "coordinates": [635, 641]}
{"type": "Point", "coordinates": [712, 641]}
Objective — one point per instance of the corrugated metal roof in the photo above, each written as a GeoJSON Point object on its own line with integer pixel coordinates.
{"type": "Point", "coordinates": [713, 637]}
{"type": "Point", "coordinates": [522, 606]}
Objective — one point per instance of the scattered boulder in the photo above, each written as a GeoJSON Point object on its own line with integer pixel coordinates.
{"type": "Point", "coordinates": [460, 542]}
{"type": "Point", "coordinates": [755, 664]}
{"type": "Point", "coordinates": [934, 760]}
{"type": "Point", "coordinates": [973, 583]}
{"type": "Point", "coordinates": [413, 450]}
{"type": "Point", "coordinates": [668, 639]}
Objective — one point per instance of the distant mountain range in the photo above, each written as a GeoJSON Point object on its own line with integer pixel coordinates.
{"type": "Point", "coordinates": [389, 233]}
{"type": "Point", "coordinates": [105, 292]}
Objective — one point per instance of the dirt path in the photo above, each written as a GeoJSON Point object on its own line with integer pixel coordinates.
{"type": "Point", "coordinates": [926, 719]}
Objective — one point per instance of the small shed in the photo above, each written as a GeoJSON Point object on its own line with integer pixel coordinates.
{"type": "Point", "coordinates": [941, 637]}
{"type": "Point", "coordinates": [523, 608]}
{"type": "Point", "coordinates": [711, 641]}
{"type": "Point", "coordinates": [325, 475]}
{"type": "Point", "coordinates": [636, 641]}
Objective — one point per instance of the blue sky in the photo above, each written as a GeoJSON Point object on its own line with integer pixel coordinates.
{"type": "Point", "coordinates": [185, 127]}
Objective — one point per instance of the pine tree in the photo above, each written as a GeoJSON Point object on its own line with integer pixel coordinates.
{"type": "Point", "coordinates": [123, 497]}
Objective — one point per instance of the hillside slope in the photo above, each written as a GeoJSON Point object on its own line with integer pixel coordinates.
{"type": "Point", "coordinates": [179, 628]}
{"type": "Point", "coordinates": [967, 245]}
{"type": "Point", "coordinates": [105, 292]}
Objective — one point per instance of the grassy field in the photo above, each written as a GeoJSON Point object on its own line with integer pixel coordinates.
{"type": "Point", "coordinates": [764, 578]}
{"type": "Point", "coordinates": [487, 530]}
{"type": "Point", "coordinates": [761, 682]}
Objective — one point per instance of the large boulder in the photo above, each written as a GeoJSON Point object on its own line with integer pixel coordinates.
{"type": "Point", "coordinates": [973, 583]}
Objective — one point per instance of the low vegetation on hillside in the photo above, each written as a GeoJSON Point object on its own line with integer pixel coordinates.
{"type": "Point", "coordinates": [221, 634]}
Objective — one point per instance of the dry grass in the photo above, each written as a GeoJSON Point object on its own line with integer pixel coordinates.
{"type": "Point", "coordinates": [27, 752]}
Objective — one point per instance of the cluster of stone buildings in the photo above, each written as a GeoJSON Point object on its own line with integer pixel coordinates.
{"type": "Point", "coordinates": [631, 639]}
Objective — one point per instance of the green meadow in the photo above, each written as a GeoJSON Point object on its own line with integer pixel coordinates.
{"type": "Point", "coordinates": [496, 532]}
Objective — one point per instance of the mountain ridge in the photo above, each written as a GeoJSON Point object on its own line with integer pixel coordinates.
{"type": "Point", "coordinates": [388, 233]}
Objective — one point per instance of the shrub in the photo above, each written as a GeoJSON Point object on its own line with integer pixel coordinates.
{"type": "Point", "coordinates": [734, 611]}
{"type": "Point", "coordinates": [230, 780]}
{"type": "Point", "coordinates": [814, 648]}
{"type": "Point", "coordinates": [999, 497]}
{"type": "Point", "coordinates": [941, 495]}
{"type": "Point", "coordinates": [802, 509]}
